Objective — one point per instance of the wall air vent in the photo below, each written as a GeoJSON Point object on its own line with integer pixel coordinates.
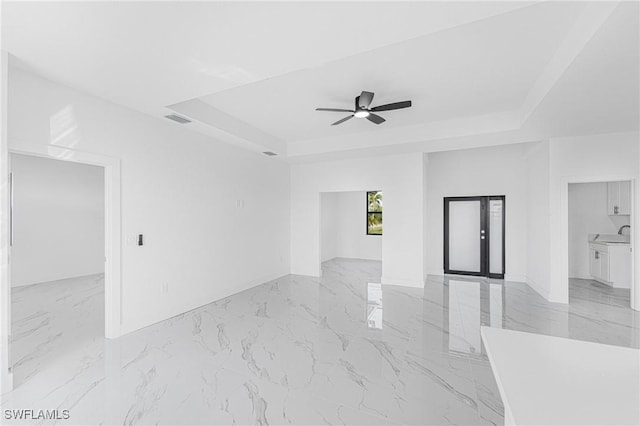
{"type": "Point", "coordinates": [269, 153]}
{"type": "Point", "coordinates": [177, 119]}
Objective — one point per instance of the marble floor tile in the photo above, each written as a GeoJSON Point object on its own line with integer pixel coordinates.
{"type": "Point", "coordinates": [341, 349]}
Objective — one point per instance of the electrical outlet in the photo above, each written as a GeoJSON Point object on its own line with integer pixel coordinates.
{"type": "Point", "coordinates": [165, 287]}
{"type": "Point", "coordinates": [240, 204]}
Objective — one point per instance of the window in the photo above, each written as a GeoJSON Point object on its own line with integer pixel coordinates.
{"type": "Point", "coordinates": [374, 212]}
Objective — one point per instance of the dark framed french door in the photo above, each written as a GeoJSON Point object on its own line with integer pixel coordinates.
{"type": "Point", "coordinates": [474, 236]}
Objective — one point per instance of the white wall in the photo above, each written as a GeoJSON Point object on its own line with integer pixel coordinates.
{"type": "Point", "coordinates": [477, 172]}
{"type": "Point", "coordinates": [179, 189]}
{"type": "Point", "coordinates": [608, 157]}
{"type": "Point", "coordinates": [635, 287]}
{"type": "Point", "coordinates": [58, 220]}
{"type": "Point", "coordinates": [400, 177]}
{"type": "Point", "coordinates": [329, 224]}
{"type": "Point", "coordinates": [588, 215]}
{"type": "Point", "coordinates": [6, 377]}
{"type": "Point", "coordinates": [537, 236]}
{"type": "Point", "coordinates": [344, 231]}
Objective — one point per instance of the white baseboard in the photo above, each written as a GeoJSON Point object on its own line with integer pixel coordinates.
{"type": "Point", "coordinates": [531, 283]}
{"type": "Point", "coordinates": [547, 296]}
{"type": "Point", "coordinates": [402, 282]}
{"type": "Point", "coordinates": [583, 277]}
{"type": "Point", "coordinates": [73, 277]}
{"type": "Point", "coordinates": [515, 277]}
{"type": "Point", "coordinates": [305, 273]}
{"type": "Point", "coordinates": [156, 317]}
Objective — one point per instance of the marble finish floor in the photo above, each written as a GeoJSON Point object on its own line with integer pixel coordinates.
{"type": "Point", "coordinates": [297, 350]}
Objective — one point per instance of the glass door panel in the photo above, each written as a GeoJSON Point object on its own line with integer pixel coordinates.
{"type": "Point", "coordinates": [495, 236]}
{"type": "Point", "coordinates": [474, 236]}
{"type": "Point", "coordinates": [464, 236]}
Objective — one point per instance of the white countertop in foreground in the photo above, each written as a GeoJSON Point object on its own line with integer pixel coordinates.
{"type": "Point", "coordinates": [546, 380]}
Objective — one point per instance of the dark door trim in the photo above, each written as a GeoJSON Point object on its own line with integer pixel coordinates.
{"type": "Point", "coordinates": [483, 247]}
{"type": "Point", "coordinates": [484, 243]}
{"type": "Point", "coordinates": [499, 275]}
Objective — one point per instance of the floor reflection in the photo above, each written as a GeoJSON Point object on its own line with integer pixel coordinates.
{"type": "Point", "coordinates": [596, 313]}
{"type": "Point", "coordinates": [374, 305]}
{"type": "Point", "coordinates": [297, 350]}
{"type": "Point", "coordinates": [471, 305]}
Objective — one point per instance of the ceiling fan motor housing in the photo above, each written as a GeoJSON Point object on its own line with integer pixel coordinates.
{"type": "Point", "coordinates": [362, 110]}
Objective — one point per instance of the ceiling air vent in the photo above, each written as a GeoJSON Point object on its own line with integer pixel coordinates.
{"type": "Point", "coordinates": [177, 119]}
{"type": "Point", "coordinates": [269, 153]}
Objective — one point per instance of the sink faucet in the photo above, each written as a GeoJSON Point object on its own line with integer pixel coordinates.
{"type": "Point", "coordinates": [622, 227]}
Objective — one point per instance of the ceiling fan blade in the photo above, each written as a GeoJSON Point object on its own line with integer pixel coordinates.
{"type": "Point", "coordinates": [349, 117]}
{"type": "Point", "coordinates": [374, 118]}
{"type": "Point", "coordinates": [365, 99]}
{"type": "Point", "coordinates": [334, 109]}
{"type": "Point", "coordinates": [389, 107]}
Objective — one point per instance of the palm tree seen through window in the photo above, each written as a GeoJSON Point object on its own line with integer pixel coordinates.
{"type": "Point", "coordinates": [374, 212]}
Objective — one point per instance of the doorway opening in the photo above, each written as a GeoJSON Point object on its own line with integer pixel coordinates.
{"type": "Point", "coordinates": [474, 236]}
{"type": "Point", "coordinates": [352, 227]}
{"type": "Point", "coordinates": [600, 237]}
{"type": "Point", "coordinates": [57, 237]}
{"type": "Point", "coordinates": [112, 245]}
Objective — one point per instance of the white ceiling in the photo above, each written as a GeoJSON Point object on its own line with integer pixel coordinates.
{"type": "Point", "coordinates": [598, 92]}
{"type": "Point", "coordinates": [469, 70]}
{"type": "Point", "coordinates": [252, 73]}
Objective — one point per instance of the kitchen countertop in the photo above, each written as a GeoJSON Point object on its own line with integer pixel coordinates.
{"type": "Point", "coordinates": [546, 380]}
{"type": "Point", "coordinates": [609, 239]}
{"type": "Point", "coordinates": [609, 243]}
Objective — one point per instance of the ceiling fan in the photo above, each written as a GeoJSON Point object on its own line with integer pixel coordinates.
{"type": "Point", "coordinates": [362, 109]}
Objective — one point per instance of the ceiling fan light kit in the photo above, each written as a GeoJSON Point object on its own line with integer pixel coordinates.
{"type": "Point", "coordinates": [362, 110]}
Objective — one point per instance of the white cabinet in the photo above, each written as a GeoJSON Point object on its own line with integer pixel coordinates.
{"type": "Point", "coordinates": [594, 263]}
{"type": "Point", "coordinates": [618, 198]}
{"type": "Point", "coordinates": [605, 269]}
{"type": "Point", "coordinates": [610, 264]}
{"type": "Point", "coordinates": [599, 265]}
